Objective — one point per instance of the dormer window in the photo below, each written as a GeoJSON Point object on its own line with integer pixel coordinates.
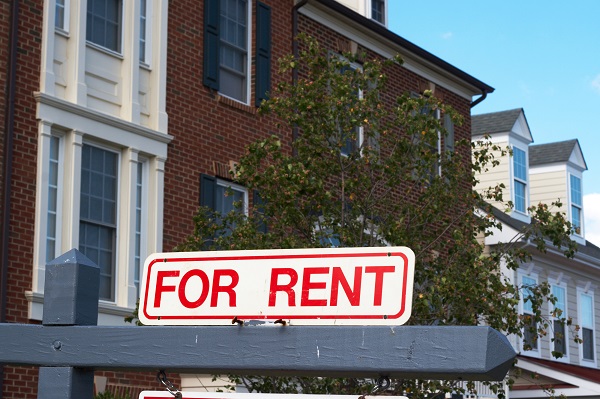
{"type": "Point", "coordinates": [520, 180]}
{"type": "Point", "coordinates": [378, 11]}
{"type": "Point", "coordinates": [576, 204]}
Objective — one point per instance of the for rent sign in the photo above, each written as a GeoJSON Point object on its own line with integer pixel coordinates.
{"type": "Point", "coordinates": [355, 286]}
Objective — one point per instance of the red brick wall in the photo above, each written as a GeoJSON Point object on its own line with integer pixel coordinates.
{"type": "Point", "coordinates": [206, 129]}
{"type": "Point", "coordinates": [19, 381]}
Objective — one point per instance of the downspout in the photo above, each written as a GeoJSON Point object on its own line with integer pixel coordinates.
{"type": "Point", "coordinates": [484, 94]}
{"type": "Point", "coordinates": [7, 167]}
{"type": "Point", "coordinates": [295, 50]}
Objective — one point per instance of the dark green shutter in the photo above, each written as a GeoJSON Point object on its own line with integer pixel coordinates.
{"type": "Point", "coordinates": [263, 52]}
{"type": "Point", "coordinates": [208, 191]}
{"type": "Point", "coordinates": [212, 15]}
{"type": "Point", "coordinates": [259, 208]}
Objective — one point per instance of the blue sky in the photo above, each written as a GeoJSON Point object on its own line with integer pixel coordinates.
{"type": "Point", "coordinates": [543, 57]}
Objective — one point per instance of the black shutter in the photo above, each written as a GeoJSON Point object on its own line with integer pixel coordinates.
{"type": "Point", "coordinates": [208, 191]}
{"type": "Point", "coordinates": [263, 52]}
{"type": "Point", "coordinates": [259, 209]}
{"type": "Point", "coordinates": [212, 15]}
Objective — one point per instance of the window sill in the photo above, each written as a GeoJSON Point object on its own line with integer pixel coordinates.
{"type": "Point", "coordinates": [105, 50]}
{"type": "Point", "coordinates": [235, 104]}
{"type": "Point", "coordinates": [108, 314]}
{"type": "Point", "coordinates": [61, 32]}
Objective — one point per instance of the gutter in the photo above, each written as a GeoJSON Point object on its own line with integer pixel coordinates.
{"type": "Point", "coordinates": [295, 9]}
{"type": "Point", "coordinates": [9, 131]}
{"type": "Point", "coordinates": [484, 94]}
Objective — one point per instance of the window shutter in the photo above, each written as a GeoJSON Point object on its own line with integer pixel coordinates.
{"type": "Point", "coordinates": [259, 208]}
{"type": "Point", "coordinates": [208, 191]}
{"type": "Point", "coordinates": [212, 15]}
{"type": "Point", "coordinates": [263, 52]}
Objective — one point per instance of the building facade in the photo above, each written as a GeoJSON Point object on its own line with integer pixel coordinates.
{"type": "Point", "coordinates": [120, 116]}
{"type": "Point", "coordinates": [547, 173]}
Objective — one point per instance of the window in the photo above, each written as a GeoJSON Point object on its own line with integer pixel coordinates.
{"type": "Point", "coordinates": [53, 199]}
{"type": "Point", "coordinates": [140, 207]}
{"type": "Point", "coordinates": [520, 179]}
{"type": "Point", "coordinates": [586, 321]}
{"type": "Point", "coordinates": [234, 49]}
{"type": "Point", "coordinates": [449, 139]}
{"type": "Point", "coordinates": [427, 164]}
{"type": "Point", "coordinates": [576, 204]}
{"type": "Point", "coordinates": [104, 19]}
{"type": "Point", "coordinates": [559, 333]}
{"type": "Point", "coordinates": [98, 214]}
{"type": "Point", "coordinates": [61, 14]}
{"type": "Point", "coordinates": [530, 341]}
{"type": "Point", "coordinates": [378, 10]}
{"type": "Point", "coordinates": [227, 50]}
{"type": "Point", "coordinates": [349, 141]}
{"type": "Point", "coordinates": [222, 196]}
{"type": "Point", "coordinates": [144, 30]}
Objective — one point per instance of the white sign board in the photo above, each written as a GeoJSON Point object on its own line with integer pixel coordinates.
{"type": "Point", "coordinates": [216, 395]}
{"type": "Point", "coordinates": [333, 286]}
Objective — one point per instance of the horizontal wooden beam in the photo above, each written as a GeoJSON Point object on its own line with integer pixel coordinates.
{"type": "Point", "coordinates": [468, 353]}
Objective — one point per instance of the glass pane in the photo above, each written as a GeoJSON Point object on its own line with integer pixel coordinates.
{"type": "Point", "coordinates": [559, 293]}
{"type": "Point", "coordinates": [520, 200]}
{"type": "Point", "coordinates": [575, 190]}
{"type": "Point", "coordinates": [526, 292]}
{"type": "Point", "coordinates": [576, 218]}
{"type": "Point", "coordinates": [110, 212]}
{"type": "Point", "coordinates": [52, 194]}
{"type": "Point", "coordinates": [530, 335]}
{"type": "Point", "coordinates": [520, 164]}
{"type": "Point", "coordinates": [50, 250]}
{"type": "Point", "coordinates": [84, 207]}
{"type": "Point", "coordinates": [559, 337]}
{"type": "Point", "coordinates": [51, 228]}
{"type": "Point", "coordinates": [587, 312]}
{"type": "Point", "coordinates": [588, 343]}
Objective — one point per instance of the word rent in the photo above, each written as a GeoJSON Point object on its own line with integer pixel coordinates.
{"type": "Point", "coordinates": [317, 286]}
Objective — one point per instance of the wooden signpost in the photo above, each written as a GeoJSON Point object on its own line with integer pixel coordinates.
{"type": "Point", "coordinates": [68, 346]}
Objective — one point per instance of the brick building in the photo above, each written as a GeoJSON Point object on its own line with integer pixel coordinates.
{"type": "Point", "coordinates": [116, 112]}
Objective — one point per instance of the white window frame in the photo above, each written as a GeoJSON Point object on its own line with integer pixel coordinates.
{"type": "Point", "coordinates": [118, 51]}
{"type": "Point", "coordinates": [236, 187]}
{"type": "Point", "coordinates": [147, 43]}
{"type": "Point", "coordinates": [143, 165]}
{"type": "Point", "coordinates": [118, 224]}
{"type": "Point", "coordinates": [573, 204]}
{"type": "Point", "coordinates": [535, 352]}
{"type": "Point", "coordinates": [122, 141]}
{"type": "Point", "coordinates": [565, 315]}
{"type": "Point", "coordinates": [587, 292]}
{"type": "Point", "coordinates": [248, 63]}
{"type": "Point", "coordinates": [385, 12]}
{"type": "Point", "coordinates": [516, 179]}
{"type": "Point", "coordinates": [66, 15]}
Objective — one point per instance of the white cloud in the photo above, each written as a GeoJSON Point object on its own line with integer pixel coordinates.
{"type": "Point", "coordinates": [447, 35]}
{"type": "Point", "coordinates": [591, 206]}
{"type": "Point", "coordinates": [596, 83]}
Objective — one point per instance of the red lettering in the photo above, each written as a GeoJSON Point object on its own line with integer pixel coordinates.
{"type": "Point", "coordinates": [308, 285]}
{"type": "Point", "coordinates": [203, 295]}
{"type": "Point", "coordinates": [160, 287]}
{"type": "Point", "coordinates": [338, 278]}
{"type": "Point", "coordinates": [287, 288]}
{"type": "Point", "coordinates": [226, 289]}
{"type": "Point", "coordinates": [379, 271]}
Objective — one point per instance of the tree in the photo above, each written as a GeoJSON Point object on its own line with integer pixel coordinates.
{"type": "Point", "coordinates": [362, 172]}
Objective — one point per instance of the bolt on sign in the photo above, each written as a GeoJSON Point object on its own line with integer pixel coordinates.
{"type": "Point", "coordinates": [218, 395]}
{"type": "Point", "coordinates": [322, 286]}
